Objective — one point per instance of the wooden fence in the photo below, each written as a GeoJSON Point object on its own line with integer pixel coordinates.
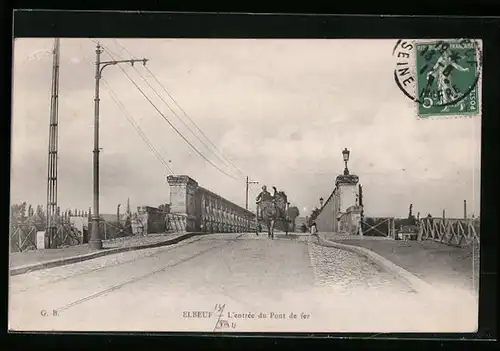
{"type": "Point", "coordinates": [23, 234]}
{"type": "Point", "coordinates": [68, 235]}
{"type": "Point", "coordinates": [26, 223]}
{"type": "Point", "coordinates": [449, 231]}
{"type": "Point", "coordinates": [383, 226]}
{"type": "Point", "coordinates": [23, 237]}
{"type": "Point", "coordinates": [376, 226]}
{"type": "Point", "coordinates": [110, 229]}
{"type": "Point", "coordinates": [134, 226]}
{"type": "Point", "coordinates": [455, 232]}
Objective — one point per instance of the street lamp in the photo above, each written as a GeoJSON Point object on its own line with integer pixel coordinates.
{"type": "Point", "coordinates": [345, 155]}
{"type": "Point", "coordinates": [95, 241]}
{"type": "Point", "coordinates": [321, 201]}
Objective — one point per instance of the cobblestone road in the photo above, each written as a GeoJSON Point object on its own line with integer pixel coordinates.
{"type": "Point", "coordinates": [155, 289]}
{"type": "Point", "coordinates": [346, 272]}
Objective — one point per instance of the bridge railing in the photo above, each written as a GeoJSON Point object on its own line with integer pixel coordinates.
{"type": "Point", "coordinates": [176, 222]}
{"type": "Point", "coordinates": [455, 232]}
{"type": "Point", "coordinates": [199, 209]}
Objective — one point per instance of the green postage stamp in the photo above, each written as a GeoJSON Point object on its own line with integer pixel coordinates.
{"type": "Point", "coordinates": [441, 76]}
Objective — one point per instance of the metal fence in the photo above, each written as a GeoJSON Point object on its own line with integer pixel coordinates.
{"type": "Point", "coordinates": [449, 231]}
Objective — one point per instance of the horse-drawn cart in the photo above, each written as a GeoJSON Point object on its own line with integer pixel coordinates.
{"type": "Point", "coordinates": [271, 211]}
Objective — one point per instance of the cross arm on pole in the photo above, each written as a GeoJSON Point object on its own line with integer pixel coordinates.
{"type": "Point", "coordinates": [131, 61]}
{"type": "Point", "coordinates": [104, 64]}
{"type": "Point", "coordinates": [95, 241]}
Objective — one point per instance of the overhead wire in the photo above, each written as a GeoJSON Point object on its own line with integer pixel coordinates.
{"type": "Point", "coordinates": [218, 153]}
{"type": "Point", "coordinates": [170, 123]}
{"type": "Point", "coordinates": [134, 124]}
{"type": "Point", "coordinates": [173, 111]}
{"type": "Point", "coordinates": [138, 129]}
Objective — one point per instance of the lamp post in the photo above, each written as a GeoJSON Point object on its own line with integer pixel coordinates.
{"type": "Point", "coordinates": [246, 194]}
{"type": "Point", "coordinates": [321, 201]}
{"type": "Point", "coordinates": [95, 241]}
{"type": "Point", "coordinates": [345, 155]}
{"type": "Point", "coordinates": [118, 214]}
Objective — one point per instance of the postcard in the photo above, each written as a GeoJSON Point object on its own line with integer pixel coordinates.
{"type": "Point", "coordinates": [245, 185]}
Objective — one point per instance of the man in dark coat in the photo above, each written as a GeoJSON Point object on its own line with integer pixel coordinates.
{"type": "Point", "coordinates": [263, 196]}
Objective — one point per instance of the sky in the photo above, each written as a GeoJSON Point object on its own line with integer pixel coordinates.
{"type": "Point", "coordinates": [281, 111]}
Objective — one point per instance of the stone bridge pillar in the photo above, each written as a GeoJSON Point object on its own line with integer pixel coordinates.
{"type": "Point", "coordinates": [341, 212]}
{"type": "Point", "coordinates": [347, 190]}
{"type": "Point", "coordinates": [182, 200]}
{"type": "Point", "coordinates": [347, 197]}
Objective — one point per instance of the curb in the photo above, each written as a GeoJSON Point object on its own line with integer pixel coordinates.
{"type": "Point", "coordinates": [92, 255]}
{"type": "Point", "coordinates": [411, 279]}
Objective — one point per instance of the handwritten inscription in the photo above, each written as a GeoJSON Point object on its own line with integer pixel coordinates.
{"type": "Point", "coordinates": [227, 319]}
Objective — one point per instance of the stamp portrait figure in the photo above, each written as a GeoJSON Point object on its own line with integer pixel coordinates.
{"type": "Point", "coordinates": [442, 71]}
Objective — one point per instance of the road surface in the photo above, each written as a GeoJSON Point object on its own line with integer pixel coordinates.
{"type": "Point", "coordinates": [228, 282]}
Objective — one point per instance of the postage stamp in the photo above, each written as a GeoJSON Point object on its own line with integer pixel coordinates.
{"type": "Point", "coordinates": [443, 77]}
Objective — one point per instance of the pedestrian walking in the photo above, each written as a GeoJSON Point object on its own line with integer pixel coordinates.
{"type": "Point", "coordinates": [313, 228]}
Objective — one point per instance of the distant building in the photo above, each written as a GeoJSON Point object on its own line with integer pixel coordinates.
{"type": "Point", "coordinates": [299, 221]}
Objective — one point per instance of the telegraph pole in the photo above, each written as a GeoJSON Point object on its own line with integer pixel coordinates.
{"type": "Point", "coordinates": [95, 241]}
{"type": "Point", "coordinates": [246, 197]}
{"type": "Point", "coordinates": [51, 231]}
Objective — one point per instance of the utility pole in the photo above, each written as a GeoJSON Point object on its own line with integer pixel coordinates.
{"type": "Point", "coordinates": [95, 238]}
{"type": "Point", "coordinates": [51, 229]}
{"type": "Point", "coordinates": [246, 197]}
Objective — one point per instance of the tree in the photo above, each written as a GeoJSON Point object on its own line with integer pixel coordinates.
{"type": "Point", "coordinates": [39, 211]}
{"type": "Point", "coordinates": [411, 216]}
{"type": "Point", "coordinates": [18, 211]}
{"type": "Point", "coordinates": [293, 213]}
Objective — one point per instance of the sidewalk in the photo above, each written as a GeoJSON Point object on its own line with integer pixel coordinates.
{"type": "Point", "coordinates": [21, 262]}
{"type": "Point", "coordinates": [437, 264]}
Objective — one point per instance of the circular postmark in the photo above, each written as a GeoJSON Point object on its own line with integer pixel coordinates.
{"type": "Point", "coordinates": [441, 76]}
